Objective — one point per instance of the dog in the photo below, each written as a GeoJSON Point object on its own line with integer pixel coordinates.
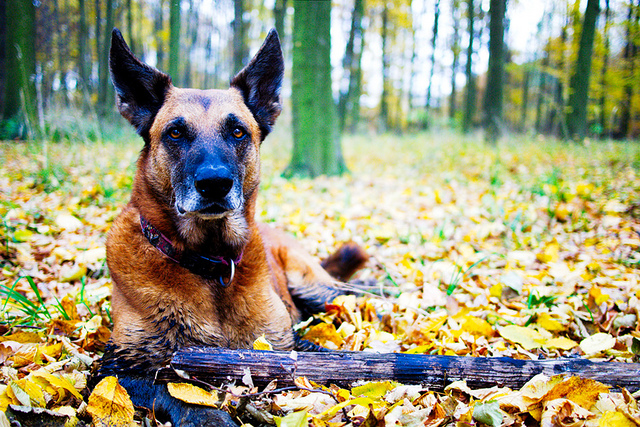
{"type": "Point", "coordinates": [189, 263]}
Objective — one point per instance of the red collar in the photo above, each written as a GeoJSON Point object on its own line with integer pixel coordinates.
{"type": "Point", "coordinates": [212, 268]}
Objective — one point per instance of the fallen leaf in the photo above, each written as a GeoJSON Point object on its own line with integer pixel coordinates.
{"type": "Point", "coordinates": [110, 405]}
{"type": "Point", "coordinates": [597, 343]}
{"type": "Point", "coordinates": [195, 395]}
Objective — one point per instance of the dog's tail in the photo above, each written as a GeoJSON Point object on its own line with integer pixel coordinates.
{"type": "Point", "coordinates": [343, 263]}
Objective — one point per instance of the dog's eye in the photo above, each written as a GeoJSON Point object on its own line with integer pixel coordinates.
{"type": "Point", "coordinates": [238, 133]}
{"type": "Point", "coordinates": [175, 133]}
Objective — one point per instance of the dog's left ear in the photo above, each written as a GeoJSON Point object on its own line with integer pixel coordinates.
{"type": "Point", "coordinates": [260, 82]}
{"type": "Point", "coordinates": [140, 88]}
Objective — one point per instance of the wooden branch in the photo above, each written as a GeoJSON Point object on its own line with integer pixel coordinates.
{"type": "Point", "coordinates": [214, 365]}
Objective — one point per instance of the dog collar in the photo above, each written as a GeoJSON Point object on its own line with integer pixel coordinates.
{"type": "Point", "coordinates": [207, 267]}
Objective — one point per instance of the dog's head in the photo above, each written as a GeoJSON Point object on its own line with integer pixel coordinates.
{"type": "Point", "coordinates": [201, 146]}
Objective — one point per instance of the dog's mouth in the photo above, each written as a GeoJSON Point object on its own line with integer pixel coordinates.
{"type": "Point", "coordinates": [213, 211]}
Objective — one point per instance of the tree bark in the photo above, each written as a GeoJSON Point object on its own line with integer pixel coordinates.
{"type": "Point", "coordinates": [105, 94]}
{"type": "Point", "coordinates": [525, 100]}
{"type": "Point", "coordinates": [432, 60]}
{"type": "Point", "coordinates": [470, 92]}
{"type": "Point", "coordinates": [351, 63]}
{"type": "Point", "coordinates": [159, 27]}
{"type": "Point", "coordinates": [174, 41]}
{"type": "Point", "coordinates": [240, 50]}
{"type": "Point", "coordinates": [624, 127]}
{"type": "Point", "coordinates": [316, 147]}
{"type": "Point", "coordinates": [385, 120]}
{"type": "Point", "coordinates": [579, 82]}
{"type": "Point", "coordinates": [495, 74]}
{"type": "Point", "coordinates": [279, 14]}
{"type": "Point", "coordinates": [20, 96]}
{"type": "Point", "coordinates": [602, 117]}
{"type": "Point", "coordinates": [132, 43]}
{"type": "Point", "coordinates": [3, 55]}
{"type": "Point", "coordinates": [213, 365]}
{"type": "Point", "coordinates": [84, 60]}
{"type": "Point", "coordinates": [455, 50]}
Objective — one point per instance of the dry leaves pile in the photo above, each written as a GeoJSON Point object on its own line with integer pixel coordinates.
{"type": "Point", "coordinates": [528, 250]}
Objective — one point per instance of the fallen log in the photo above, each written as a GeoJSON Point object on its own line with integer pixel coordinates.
{"type": "Point", "coordinates": [215, 365]}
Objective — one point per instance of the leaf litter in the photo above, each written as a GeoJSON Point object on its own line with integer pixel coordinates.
{"type": "Point", "coordinates": [528, 250]}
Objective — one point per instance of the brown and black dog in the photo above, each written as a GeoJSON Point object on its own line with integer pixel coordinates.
{"type": "Point", "coordinates": [189, 263]}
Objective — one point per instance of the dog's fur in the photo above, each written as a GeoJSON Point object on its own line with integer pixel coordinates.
{"type": "Point", "coordinates": [196, 183]}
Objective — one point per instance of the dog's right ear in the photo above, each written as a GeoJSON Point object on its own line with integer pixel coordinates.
{"type": "Point", "coordinates": [140, 88]}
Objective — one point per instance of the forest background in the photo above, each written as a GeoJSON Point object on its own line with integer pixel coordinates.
{"type": "Point", "coordinates": [399, 65]}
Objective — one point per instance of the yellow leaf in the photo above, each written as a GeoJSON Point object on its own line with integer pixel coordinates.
{"type": "Point", "coordinates": [323, 333]}
{"type": "Point", "coordinates": [475, 326]}
{"type": "Point", "coordinates": [57, 382]}
{"type": "Point", "coordinates": [549, 253]}
{"type": "Point", "coordinates": [69, 306]}
{"type": "Point", "coordinates": [562, 343]}
{"type": "Point", "coordinates": [26, 355]}
{"type": "Point", "coordinates": [32, 390]}
{"type": "Point", "coordinates": [262, 344]}
{"type": "Point", "coordinates": [597, 295]}
{"type": "Point", "coordinates": [615, 419]}
{"type": "Point", "coordinates": [332, 411]}
{"type": "Point", "coordinates": [549, 323]}
{"type": "Point", "coordinates": [193, 394]}
{"type": "Point", "coordinates": [73, 273]}
{"type": "Point", "coordinates": [22, 337]}
{"type": "Point", "coordinates": [5, 398]}
{"type": "Point", "coordinates": [374, 390]}
{"type": "Point", "coordinates": [110, 405]}
{"type": "Point", "coordinates": [528, 338]}
{"type": "Point", "coordinates": [496, 290]}
{"type": "Point", "coordinates": [23, 235]}
{"type": "Point", "coordinates": [294, 419]}
{"type": "Point", "coordinates": [581, 391]}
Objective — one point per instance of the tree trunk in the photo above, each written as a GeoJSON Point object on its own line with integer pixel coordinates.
{"type": "Point", "coordinates": [525, 100]}
{"type": "Point", "coordinates": [20, 96]}
{"type": "Point", "coordinates": [355, 82]}
{"type": "Point", "coordinates": [240, 50]}
{"type": "Point", "coordinates": [132, 43]}
{"type": "Point", "coordinates": [101, 60]}
{"type": "Point", "coordinates": [495, 74]}
{"type": "Point", "coordinates": [542, 91]}
{"type": "Point", "coordinates": [624, 127]}
{"type": "Point", "coordinates": [279, 13]}
{"type": "Point", "coordinates": [3, 55]}
{"type": "Point", "coordinates": [174, 41]}
{"type": "Point", "coordinates": [455, 49]}
{"type": "Point", "coordinates": [62, 40]}
{"type": "Point", "coordinates": [159, 28]}
{"type": "Point", "coordinates": [350, 63]}
{"type": "Point", "coordinates": [105, 92]}
{"type": "Point", "coordinates": [432, 60]}
{"type": "Point", "coordinates": [385, 120]}
{"type": "Point", "coordinates": [470, 92]}
{"type": "Point", "coordinates": [213, 365]}
{"type": "Point", "coordinates": [602, 117]}
{"type": "Point", "coordinates": [84, 60]}
{"type": "Point", "coordinates": [316, 147]}
{"type": "Point", "coordinates": [579, 83]}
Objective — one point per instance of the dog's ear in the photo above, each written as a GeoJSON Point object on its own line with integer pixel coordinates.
{"type": "Point", "coordinates": [140, 88]}
{"type": "Point", "coordinates": [260, 82]}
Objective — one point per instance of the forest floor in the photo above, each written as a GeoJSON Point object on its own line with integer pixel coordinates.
{"type": "Point", "coordinates": [529, 250]}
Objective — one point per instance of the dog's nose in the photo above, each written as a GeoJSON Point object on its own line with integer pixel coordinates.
{"type": "Point", "coordinates": [213, 183]}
